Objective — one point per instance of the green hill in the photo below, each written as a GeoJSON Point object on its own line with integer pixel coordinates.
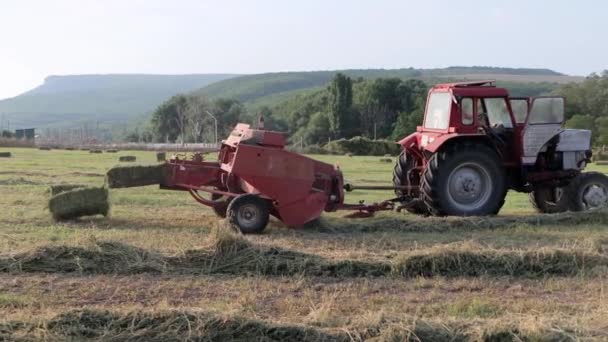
{"type": "Point", "coordinates": [271, 88]}
{"type": "Point", "coordinates": [73, 100]}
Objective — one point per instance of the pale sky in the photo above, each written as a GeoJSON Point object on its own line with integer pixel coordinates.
{"type": "Point", "coordinates": [41, 38]}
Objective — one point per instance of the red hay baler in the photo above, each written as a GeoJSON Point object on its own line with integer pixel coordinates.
{"type": "Point", "coordinates": [255, 177]}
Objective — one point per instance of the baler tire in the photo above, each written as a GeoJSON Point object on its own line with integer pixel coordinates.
{"type": "Point", "coordinates": [221, 208]}
{"type": "Point", "coordinates": [402, 166]}
{"type": "Point", "coordinates": [578, 189]}
{"type": "Point", "coordinates": [435, 177]}
{"type": "Point", "coordinates": [248, 213]}
{"type": "Point", "coordinates": [541, 199]}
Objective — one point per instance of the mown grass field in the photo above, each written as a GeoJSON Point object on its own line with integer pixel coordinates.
{"type": "Point", "coordinates": [162, 267]}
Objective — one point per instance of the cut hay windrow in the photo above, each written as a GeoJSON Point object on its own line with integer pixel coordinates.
{"type": "Point", "coordinates": [133, 176]}
{"type": "Point", "coordinates": [79, 202]}
{"type": "Point", "coordinates": [235, 255]}
{"type": "Point", "coordinates": [59, 188]}
{"type": "Point", "coordinates": [183, 325]}
{"type": "Point", "coordinates": [5, 155]}
{"type": "Point", "coordinates": [411, 223]}
{"type": "Point", "coordinates": [127, 158]}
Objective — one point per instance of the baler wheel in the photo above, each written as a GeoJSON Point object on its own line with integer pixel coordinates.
{"type": "Point", "coordinates": [248, 213]}
{"type": "Point", "coordinates": [464, 180]}
{"type": "Point", "coordinates": [400, 174]}
{"type": "Point", "coordinates": [549, 200]}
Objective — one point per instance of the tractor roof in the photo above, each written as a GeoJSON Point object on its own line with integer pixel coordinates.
{"type": "Point", "coordinates": [484, 88]}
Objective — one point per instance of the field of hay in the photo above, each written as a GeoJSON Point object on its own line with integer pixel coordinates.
{"type": "Point", "coordinates": [161, 268]}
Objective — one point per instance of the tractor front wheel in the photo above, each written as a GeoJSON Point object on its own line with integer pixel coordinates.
{"type": "Point", "coordinates": [401, 172]}
{"type": "Point", "coordinates": [464, 180]}
{"type": "Point", "coordinates": [588, 190]}
{"type": "Point", "coordinates": [248, 213]}
{"type": "Point", "coordinates": [549, 200]}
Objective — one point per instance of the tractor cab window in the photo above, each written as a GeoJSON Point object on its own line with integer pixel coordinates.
{"type": "Point", "coordinates": [466, 110]}
{"type": "Point", "coordinates": [496, 111]}
{"type": "Point", "coordinates": [547, 110]}
{"type": "Point", "coordinates": [520, 109]}
{"type": "Point", "coordinates": [438, 110]}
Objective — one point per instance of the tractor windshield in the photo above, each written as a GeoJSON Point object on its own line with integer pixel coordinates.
{"type": "Point", "coordinates": [438, 110]}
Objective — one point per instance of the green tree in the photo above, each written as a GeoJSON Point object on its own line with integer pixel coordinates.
{"type": "Point", "coordinates": [602, 130]}
{"type": "Point", "coordinates": [340, 104]}
{"type": "Point", "coordinates": [579, 121]}
{"type": "Point", "coordinates": [169, 119]}
{"type": "Point", "coordinates": [318, 129]}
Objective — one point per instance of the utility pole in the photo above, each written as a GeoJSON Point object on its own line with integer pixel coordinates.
{"type": "Point", "coordinates": [214, 119]}
{"type": "Point", "coordinates": [374, 130]}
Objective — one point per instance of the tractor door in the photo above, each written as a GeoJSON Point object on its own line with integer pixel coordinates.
{"type": "Point", "coordinates": [545, 120]}
{"type": "Point", "coordinates": [519, 106]}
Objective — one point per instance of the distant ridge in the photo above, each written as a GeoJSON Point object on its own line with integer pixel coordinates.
{"type": "Point", "coordinates": [119, 98]}
{"type": "Point", "coordinates": [71, 100]}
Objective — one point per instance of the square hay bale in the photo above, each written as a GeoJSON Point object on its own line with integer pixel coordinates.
{"type": "Point", "coordinates": [111, 151]}
{"type": "Point", "coordinates": [69, 148]}
{"type": "Point", "coordinates": [79, 202]}
{"type": "Point", "coordinates": [161, 156]}
{"type": "Point", "coordinates": [95, 151]}
{"type": "Point", "coordinates": [5, 155]}
{"type": "Point", "coordinates": [84, 149]}
{"type": "Point", "coordinates": [44, 148]}
{"type": "Point", "coordinates": [127, 158]}
{"type": "Point", "coordinates": [59, 188]}
{"type": "Point", "coordinates": [132, 176]}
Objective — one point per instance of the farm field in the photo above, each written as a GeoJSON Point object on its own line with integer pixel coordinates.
{"type": "Point", "coordinates": [162, 267]}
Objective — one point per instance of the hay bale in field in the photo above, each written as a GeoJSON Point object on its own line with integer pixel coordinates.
{"type": "Point", "coordinates": [132, 176]}
{"type": "Point", "coordinates": [95, 151]}
{"type": "Point", "coordinates": [111, 151]}
{"type": "Point", "coordinates": [69, 148]}
{"type": "Point", "coordinates": [5, 155]}
{"type": "Point", "coordinates": [79, 202]}
{"type": "Point", "coordinates": [44, 148]}
{"type": "Point", "coordinates": [386, 160]}
{"type": "Point", "coordinates": [127, 158]}
{"type": "Point", "coordinates": [84, 149]}
{"type": "Point", "coordinates": [161, 156]}
{"type": "Point", "coordinates": [57, 189]}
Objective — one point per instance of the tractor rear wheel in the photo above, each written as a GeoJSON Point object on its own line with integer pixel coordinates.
{"type": "Point", "coordinates": [549, 200]}
{"type": "Point", "coordinates": [588, 190]}
{"type": "Point", "coordinates": [248, 213]}
{"type": "Point", "coordinates": [464, 180]}
{"type": "Point", "coordinates": [400, 178]}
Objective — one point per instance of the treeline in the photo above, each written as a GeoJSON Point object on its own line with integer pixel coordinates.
{"type": "Point", "coordinates": [587, 106]}
{"type": "Point", "coordinates": [379, 108]}
{"type": "Point", "coordinates": [190, 118]}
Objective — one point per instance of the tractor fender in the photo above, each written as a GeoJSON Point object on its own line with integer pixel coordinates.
{"type": "Point", "coordinates": [434, 142]}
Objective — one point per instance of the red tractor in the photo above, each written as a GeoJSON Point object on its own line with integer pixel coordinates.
{"type": "Point", "coordinates": [477, 142]}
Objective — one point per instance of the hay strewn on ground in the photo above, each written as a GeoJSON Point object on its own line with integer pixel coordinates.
{"type": "Point", "coordinates": [57, 189]}
{"type": "Point", "coordinates": [233, 254]}
{"type": "Point", "coordinates": [5, 155]}
{"type": "Point", "coordinates": [203, 326]}
{"type": "Point", "coordinates": [127, 158]}
{"type": "Point", "coordinates": [132, 176]}
{"type": "Point", "coordinates": [79, 202]}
